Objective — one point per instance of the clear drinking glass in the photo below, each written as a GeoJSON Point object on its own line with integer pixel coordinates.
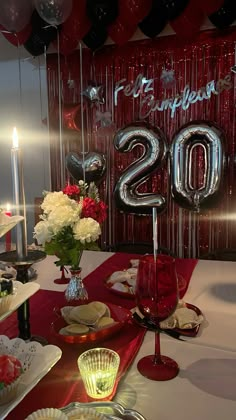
{"type": "Point", "coordinates": [157, 297]}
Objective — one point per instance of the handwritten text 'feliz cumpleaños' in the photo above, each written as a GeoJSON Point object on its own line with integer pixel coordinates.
{"type": "Point", "coordinates": [150, 104]}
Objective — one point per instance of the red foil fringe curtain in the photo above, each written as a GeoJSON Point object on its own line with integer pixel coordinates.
{"type": "Point", "coordinates": [209, 57]}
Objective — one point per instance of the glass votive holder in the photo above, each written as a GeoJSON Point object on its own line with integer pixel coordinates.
{"type": "Point", "coordinates": [98, 368]}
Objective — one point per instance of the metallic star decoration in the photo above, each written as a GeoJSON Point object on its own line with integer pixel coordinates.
{"type": "Point", "coordinates": [104, 118]}
{"type": "Point", "coordinates": [168, 78]}
{"type": "Point", "coordinates": [94, 94]}
{"type": "Point", "coordinates": [71, 83]}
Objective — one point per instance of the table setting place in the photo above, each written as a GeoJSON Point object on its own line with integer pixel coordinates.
{"type": "Point", "coordinates": [92, 342]}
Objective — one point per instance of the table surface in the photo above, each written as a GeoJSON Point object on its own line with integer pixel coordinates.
{"type": "Point", "coordinates": [206, 385]}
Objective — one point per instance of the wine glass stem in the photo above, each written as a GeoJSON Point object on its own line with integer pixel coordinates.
{"type": "Point", "coordinates": [157, 357]}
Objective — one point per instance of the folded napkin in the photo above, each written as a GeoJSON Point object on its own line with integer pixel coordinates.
{"type": "Point", "coordinates": [8, 222]}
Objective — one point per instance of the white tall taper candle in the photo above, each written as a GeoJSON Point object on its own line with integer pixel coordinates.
{"type": "Point", "coordinates": [18, 197]}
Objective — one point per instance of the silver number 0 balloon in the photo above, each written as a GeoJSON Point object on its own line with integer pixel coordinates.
{"type": "Point", "coordinates": [208, 136]}
{"type": "Point", "coordinates": [153, 141]}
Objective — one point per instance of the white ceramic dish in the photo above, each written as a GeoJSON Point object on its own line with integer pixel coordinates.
{"type": "Point", "coordinates": [37, 360]}
{"type": "Point", "coordinates": [22, 292]}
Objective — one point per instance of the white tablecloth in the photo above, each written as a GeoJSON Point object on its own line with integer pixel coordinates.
{"type": "Point", "coordinates": [206, 385]}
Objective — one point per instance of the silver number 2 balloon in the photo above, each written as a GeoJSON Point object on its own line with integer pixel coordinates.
{"type": "Point", "coordinates": [203, 134]}
{"type": "Point", "coordinates": [126, 194]}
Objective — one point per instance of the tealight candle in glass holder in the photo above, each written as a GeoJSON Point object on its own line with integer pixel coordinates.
{"type": "Point", "coordinates": [98, 368]}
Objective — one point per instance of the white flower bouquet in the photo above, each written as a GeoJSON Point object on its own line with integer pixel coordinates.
{"type": "Point", "coordinates": [70, 223]}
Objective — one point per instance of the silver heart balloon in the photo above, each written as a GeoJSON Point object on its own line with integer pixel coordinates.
{"type": "Point", "coordinates": [92, 165]}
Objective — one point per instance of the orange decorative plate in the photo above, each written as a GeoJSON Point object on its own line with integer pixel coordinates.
{"type": "Point", "coordinates": [119, 314]}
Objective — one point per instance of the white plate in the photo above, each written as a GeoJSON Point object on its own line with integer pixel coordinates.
{"type": "Point", "coordinates": [22, 292]}
{"type": "Point", "coordinates": [37, 361]}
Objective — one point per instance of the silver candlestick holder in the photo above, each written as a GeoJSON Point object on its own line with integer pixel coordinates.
{"type": "Point", "coordinates": [23, 312]}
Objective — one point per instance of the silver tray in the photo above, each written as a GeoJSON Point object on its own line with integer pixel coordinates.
{"type": "Point", "coordinates": [112, 410]}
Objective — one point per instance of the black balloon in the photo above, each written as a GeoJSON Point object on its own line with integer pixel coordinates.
{"type": "Point", "coordinates": [225, 15]}
{"type": "Point", "coordinates": [41, 36]}
{"type": "Point", "coordinates": [102, 12]}
{"type": "Point", "coordinates": [173, 8]}
{"type": "Point", "coordinates": [37, 22]}
{"type": "Point", "coordinates": [95, 38]}
{"type": "Point", "coordinates": [155, 21]}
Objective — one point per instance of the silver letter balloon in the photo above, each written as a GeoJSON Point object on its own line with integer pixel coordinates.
{"type": "Point", "coordinates": [126, 194]}
{"type": "Point", "coordinates": [184, 188]}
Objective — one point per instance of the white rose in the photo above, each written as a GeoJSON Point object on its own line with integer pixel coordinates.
{"type": "Point", "coordinates": [57, 199]}
{"type": "Point", "coordinates": [61, 217]}
{"type": "Point", "coordinates": [42, 232]}
{"type": "Point", "coordinates": [87, 230]}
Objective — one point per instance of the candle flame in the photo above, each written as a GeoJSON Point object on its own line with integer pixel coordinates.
{"type": "Point", "coordinates": [15, 142]}
{"type": "Point", "coordinates": [8, 207]}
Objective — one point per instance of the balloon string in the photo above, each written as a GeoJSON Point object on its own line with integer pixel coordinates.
{"type": "Point", "coordinates": [154, 227]}
{"type": "Point", "coordinates": [108, 180]}
{"type": "Point", "coordinates": [19, 67]}
{"type": "Point", "coordinates": [81, 103]}
{"type": "Point", "coordinates": [60, 114]}
{"type": "Point", "coordinates": [180, 235]}
{"type": "Point", "coordinates": [47, 110]}
{"type": "Point", "coordinates": [189, 234]}
{"type": "Point", "coordinates": [41, 106]}
{"type": "Point", "coordinates": [40, 89]}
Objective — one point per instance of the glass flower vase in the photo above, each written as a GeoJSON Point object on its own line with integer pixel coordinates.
{"type": "Point", "coordinates": [76, 289]}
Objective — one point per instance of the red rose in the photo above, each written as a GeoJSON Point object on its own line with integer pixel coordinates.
{"type": "Point", "coordinates": [94, 209]}
{"type": "Point", "coordinates": [73, 191]}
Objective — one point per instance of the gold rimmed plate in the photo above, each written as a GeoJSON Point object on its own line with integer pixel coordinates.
{"type": "Point", "coordinates": [119, 314]}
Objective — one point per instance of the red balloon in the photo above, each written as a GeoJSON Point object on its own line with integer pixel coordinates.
{"type": "Point", "coordinates": [78, 24]}
{"type": "Point", "coordinates": [17, 38]}
{"type": "Point", "coordinates": [74, 28]}
{"type": "Point", "coordinates": [134, 11]}
{"type": "Point", "coordinates": [66, 44]}
{"type": "Point", "coordinates": [210, 6]}
{"type": "Point", "coordinates": [189, 22]}
{"type": "Point", "coordinates": [121, 32]}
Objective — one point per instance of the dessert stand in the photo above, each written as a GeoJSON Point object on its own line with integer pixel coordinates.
{"type": "Point", "coordinates": [22, 267]}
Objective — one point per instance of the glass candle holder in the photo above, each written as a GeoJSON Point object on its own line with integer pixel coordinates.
{"type": "Point", "coordinates": [98, 368]}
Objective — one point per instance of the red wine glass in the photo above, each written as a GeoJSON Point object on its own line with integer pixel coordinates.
{"type": "Point", "coordinates": [157, 297]}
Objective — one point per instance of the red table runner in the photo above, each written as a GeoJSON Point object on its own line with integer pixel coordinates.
{"type": "Point", "coordinates": [62, 384]}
